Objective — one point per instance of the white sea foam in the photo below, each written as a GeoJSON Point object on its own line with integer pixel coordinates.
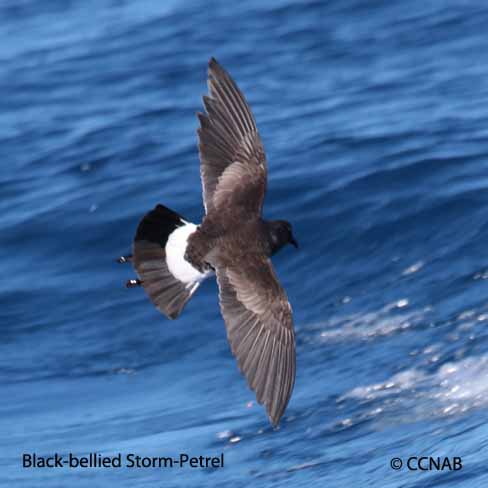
{"type": "Point", "coordinates": [390, 319]}
{"type": "Point", "coordinates": [413, 268]}
{"type": "Point", "coordinates": [454, 388]}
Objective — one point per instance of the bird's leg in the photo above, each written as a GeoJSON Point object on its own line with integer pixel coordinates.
{"type": "Point", "coordinates": [125, 259]}
{"type": "Point", "coordinates": [133, 283]}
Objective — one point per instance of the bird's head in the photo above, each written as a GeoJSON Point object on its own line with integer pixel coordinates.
{"type": "Point", "coordinates": [281, 234]}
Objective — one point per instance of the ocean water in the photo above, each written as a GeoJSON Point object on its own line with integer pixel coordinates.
{"type": "Point", "coordinates": [375, 121]}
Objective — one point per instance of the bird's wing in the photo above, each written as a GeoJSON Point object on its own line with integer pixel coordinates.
{"type": "Point", "coordinates": [260, 330]}
{"type": "Point", "coordinates": [232, 160]}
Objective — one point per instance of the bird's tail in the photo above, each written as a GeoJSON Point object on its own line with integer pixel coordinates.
{"type": "Point", "coordinates": [158, 259]}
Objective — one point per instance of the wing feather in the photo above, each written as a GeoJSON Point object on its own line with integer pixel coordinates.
{"type": "Point", "coordinates": [260, 330]}
{"type": "Point", "coordinates": [228, 136]}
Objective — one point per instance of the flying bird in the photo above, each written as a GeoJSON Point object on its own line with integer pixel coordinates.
{"type": "Point", "coordinates": [172, 256]}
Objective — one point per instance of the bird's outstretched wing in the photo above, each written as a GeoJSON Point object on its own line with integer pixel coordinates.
{"type": "Point", "coordinates": [259, 326]}
{"type": "Point", "coordinates": [232, 161]}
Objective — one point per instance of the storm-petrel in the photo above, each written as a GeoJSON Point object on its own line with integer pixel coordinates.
{"type": "Point", "coordinates": [172, 256]}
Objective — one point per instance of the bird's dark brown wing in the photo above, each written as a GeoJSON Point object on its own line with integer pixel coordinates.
{"type": "Point", "coordinates": [232, 161]}
{"type": "Point", "coordinates": [259, 325]}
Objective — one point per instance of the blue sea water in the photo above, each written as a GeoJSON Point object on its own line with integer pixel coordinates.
{"type": "Point", "coordinates": [374, 118]}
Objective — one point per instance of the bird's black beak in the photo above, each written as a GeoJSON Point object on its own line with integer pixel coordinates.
{"type": "Point", "coordinates": [293, 242]}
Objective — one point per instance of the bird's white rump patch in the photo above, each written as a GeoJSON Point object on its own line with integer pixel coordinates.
{"type": "Point", "coordinates": [175, 249]}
